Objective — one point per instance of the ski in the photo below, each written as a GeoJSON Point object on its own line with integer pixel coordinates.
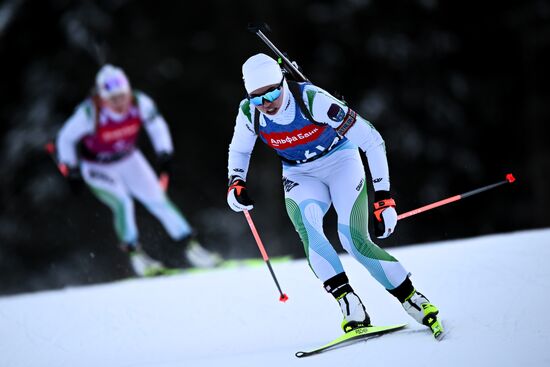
{"type": "Point", "coordinates": [239, 263]}
{"type": "Point", "coordinates": [225, 264]}
{"type": "Point", "coordinates": [353, 336]}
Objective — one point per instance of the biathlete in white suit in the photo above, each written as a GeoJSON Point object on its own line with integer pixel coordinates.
{"type": "Point", "coordinates": [317, 138]}
{"type": "Point", "coordinates": [106, 127]}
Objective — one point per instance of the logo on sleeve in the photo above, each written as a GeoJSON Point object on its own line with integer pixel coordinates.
{"type": "Point", "coordinates": [336, 113]}
{"type": "Point", "coordinates": [358, 188]}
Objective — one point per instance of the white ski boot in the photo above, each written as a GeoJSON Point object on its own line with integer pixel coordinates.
{"type": "Point", "coordinates": [142, 264]}
{"type": "Point", "coordinates": [355, 314]}
{"type": "Point", "coordinates": [420, 309]}
{"type": "Point", "coordinates": [199, 257]}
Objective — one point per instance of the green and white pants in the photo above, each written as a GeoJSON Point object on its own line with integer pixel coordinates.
{"type": "Point", "coordinates": [117, 184]}
{"type": "Point", "coordinates": [337, 179]}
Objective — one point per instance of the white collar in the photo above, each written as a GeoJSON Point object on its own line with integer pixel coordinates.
{"type": "Point", "coordinates": [115, 116]}
{"type": "Point", "coordinates": [285, 104]}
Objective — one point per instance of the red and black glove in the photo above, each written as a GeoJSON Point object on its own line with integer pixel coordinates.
{"type": "Point", "coordinates": [164, 168]}
{"type": "Point", "coordinates": [385, 214]}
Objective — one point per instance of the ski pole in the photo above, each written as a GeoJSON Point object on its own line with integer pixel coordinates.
{"type": "Point", "coordinates": [509, 179]}
{"type": "Point", "coordinates": [258, 29]}
{"type": "Point", "coordinates": [283, 297]}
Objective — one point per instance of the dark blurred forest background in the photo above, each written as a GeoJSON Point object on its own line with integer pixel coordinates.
{"type": "Point", "coordinates": [459, 91]}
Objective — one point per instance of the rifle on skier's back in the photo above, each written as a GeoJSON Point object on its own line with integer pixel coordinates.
{"type": "Point", "coordinates": [291, 70]}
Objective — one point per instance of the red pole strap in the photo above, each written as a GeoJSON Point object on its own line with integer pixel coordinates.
{"type": "Point", "coordinates": [509, 179]}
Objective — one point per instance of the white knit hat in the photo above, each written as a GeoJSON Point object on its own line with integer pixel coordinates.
{"type": "Point", "coordinates": [111, 80]}
{"type": "Point", "coordinates": [259, 71]}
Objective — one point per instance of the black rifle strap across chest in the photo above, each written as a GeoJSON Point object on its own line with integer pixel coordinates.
{"type": "Point", "coordinates": [296, 93]}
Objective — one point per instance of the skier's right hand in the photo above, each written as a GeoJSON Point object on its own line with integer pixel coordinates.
{"type": "Point", "coordinates": [385, 214]}
{"type": "Point", "coordinates": [237, 196]}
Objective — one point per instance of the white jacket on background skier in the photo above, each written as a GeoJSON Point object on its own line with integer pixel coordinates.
{"type": "Point", "coordinates": [106, 126]}
{"type": "Point", "coordinates": [317, 138]}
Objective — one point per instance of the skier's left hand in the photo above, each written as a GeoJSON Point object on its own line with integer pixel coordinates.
{"type": "Point", "coordinates": [74, 178]}
{"type": "Point", "coordinates": [164, 163]}
{"type": "Point", "coordinates": [385, 214]}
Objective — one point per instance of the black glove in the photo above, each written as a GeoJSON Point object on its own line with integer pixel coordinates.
{"type": "Point", "coordinates": [74, 178]}
{"type": "Point", "coordinates": [164, 163]}
{"type": "Point", "coordinates": [237, 195]}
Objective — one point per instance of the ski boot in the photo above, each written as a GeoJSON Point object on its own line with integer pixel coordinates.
{"type": "Point", "coordinates": [198, 256]}
{"type": "Point", "coordinates": [355, 315]}
{"type": "Point", "coordinates": [420, 309]}
{"type": "Point", "coordinates": [354, 312]}
{"type": "Point", "coordinates": [142, 264]}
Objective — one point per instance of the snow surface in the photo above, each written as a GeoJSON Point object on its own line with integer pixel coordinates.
{"type": "Point", "coordinates": [492, 292]}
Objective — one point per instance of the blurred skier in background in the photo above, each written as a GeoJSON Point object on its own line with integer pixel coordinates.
{"type": "Point", "coordinates": [317, 138]}
{"type": "Point", "coordinates": [98, 144]}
